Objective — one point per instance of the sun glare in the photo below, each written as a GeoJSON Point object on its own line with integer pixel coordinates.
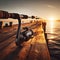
{"type": "Point", "coordinates": [51, 18]}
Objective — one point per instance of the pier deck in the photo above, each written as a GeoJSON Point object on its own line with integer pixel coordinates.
{"type": "Point", "coordinates": [34, 49]}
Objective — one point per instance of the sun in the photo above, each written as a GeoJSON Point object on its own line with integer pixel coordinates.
{"type": "Point", "coordinates": [51, 18]}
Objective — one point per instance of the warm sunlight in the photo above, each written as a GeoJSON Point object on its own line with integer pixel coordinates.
{"type": "Point", "coordinates": [51, 18]}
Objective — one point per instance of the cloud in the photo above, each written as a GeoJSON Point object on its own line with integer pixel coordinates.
{"type": "Point", "coordinates": [51, 6]}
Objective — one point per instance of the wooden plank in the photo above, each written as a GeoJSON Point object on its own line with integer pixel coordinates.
{"type": "Point", "coordinates": [36, 48]}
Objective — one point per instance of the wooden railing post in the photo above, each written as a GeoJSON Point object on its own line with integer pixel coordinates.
{"type": "Point", "coordinates": [10, 24]}
{"type": "Point", "coordinates": [1, 24]}
{"type": "Point", "coordinates": [44, 28]}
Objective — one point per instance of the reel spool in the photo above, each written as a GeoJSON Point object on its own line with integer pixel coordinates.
{"type": "Point", "coordinates": [24, 36]}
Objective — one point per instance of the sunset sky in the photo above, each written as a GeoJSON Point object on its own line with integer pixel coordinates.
{"type": "Point", "coordinates": [42, 8]}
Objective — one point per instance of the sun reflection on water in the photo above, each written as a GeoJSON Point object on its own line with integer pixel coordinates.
{"type": "Point", "coordinates": [51, 26]}
{"type": "Point", "coordinates": [50, 29]}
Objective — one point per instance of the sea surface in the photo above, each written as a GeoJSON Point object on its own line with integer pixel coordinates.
{"type": "Point", "coordinates": [53, 36]}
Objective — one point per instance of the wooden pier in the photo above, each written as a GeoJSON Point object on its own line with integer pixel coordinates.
{"type": "Point", "coordinates": [34, 49]}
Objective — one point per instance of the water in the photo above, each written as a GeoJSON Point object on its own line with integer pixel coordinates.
{"type": "Point", "coordinates": [53, 30]}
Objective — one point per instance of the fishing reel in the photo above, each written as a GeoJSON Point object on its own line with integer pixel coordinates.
{"type": "Point", "coordinates": [25, 35]}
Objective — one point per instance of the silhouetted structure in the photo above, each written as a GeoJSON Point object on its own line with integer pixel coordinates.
{"type": "Point", "coordinates": [10, 24]}
{"type": "Point", "coordinates": [1, 24]}
{"type": "Point", "coordinates": [6, 25]}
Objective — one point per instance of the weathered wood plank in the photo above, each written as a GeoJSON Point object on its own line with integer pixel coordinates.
{"type": "Point", "coordinates": [37, 48]}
